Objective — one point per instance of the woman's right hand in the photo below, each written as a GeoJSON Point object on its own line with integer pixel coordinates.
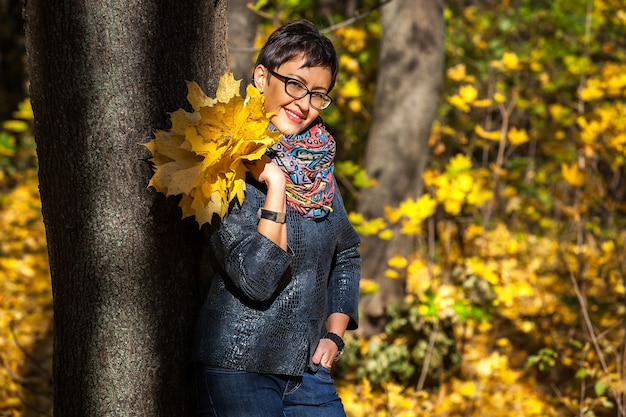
{"type": "Point", "coordinates": [265, 170]}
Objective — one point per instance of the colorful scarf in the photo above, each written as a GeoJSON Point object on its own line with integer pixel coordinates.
{"type": "Point", "coordinates": [307, 159]}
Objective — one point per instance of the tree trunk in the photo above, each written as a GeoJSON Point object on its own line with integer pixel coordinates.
{"type": "Point", "coordinates": [409, 79]}
{"type": "Point", "coordinates": [124, 267]}
{"type": "Point", "coordinates": [242, 28]}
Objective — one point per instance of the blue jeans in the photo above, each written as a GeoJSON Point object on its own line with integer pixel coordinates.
{"type": "Point", "coordinates": [229, 393]}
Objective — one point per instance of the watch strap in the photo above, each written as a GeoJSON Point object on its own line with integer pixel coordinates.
{"type": "Point", "coordinates": [338, 341]}
{"type": "Point", "coordinates": [271, 215]}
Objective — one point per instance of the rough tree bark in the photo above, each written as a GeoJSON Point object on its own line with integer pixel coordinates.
{"type": "Point", "coordinates": [242, 28]}
{"type": "Point", "coordinates": [409, 79]}
{"type": "Point", "coordinates": [124, 267]}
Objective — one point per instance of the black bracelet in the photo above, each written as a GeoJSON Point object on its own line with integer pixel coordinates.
{"type": "Point", "coordinates": [271, 215]}
{"type": "Point", "coordinates": [338, 341]}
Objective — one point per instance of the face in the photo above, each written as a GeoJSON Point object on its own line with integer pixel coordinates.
{"type": "Point", "coordinates": [291, 115]}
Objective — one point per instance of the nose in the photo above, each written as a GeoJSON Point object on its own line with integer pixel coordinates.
{"type": "Point", "coordinates": [304, 102]}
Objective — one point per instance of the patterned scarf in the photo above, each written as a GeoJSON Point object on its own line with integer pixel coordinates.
{"type": "Point", "coordinates": [307, 159]}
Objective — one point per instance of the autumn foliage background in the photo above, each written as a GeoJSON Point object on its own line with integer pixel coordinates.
{"type": "Point", "coordinates": [516, 291]}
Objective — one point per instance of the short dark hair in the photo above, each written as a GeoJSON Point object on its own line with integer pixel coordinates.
{"type": "Point", "coordinates": [296, 38]}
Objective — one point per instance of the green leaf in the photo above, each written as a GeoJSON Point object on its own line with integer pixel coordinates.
{"type": "Point", "coordinates": [599, 388]}
{"type": "Point", "coordinates": [607, 404]}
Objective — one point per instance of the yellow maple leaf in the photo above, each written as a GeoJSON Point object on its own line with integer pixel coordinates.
{"type": "Point", "coordinates": [458, 102]}
{"type": "Point", "coordinates": [197, 98]}
{"type": "Point", "coordinates": [458, 164]}
{"type": "Point", "coordinates": [491, 135]}
{"type": "Point", "coordinates": [510, 61]}
{"type": "Point", "coordinates": [351, 88]}
{"type": "Point", "coordinates": [468, 93]}
{"type": "Point", "coordinates": [517, 136]}
{"type": "Point", "coordinates": [202, 156]}
{"type": "Point", "coordinates": [457, 72]}
{"type": "Point", "coordinates": [398, 261]}
{"type": "Point", "coordinates": [572, 174]}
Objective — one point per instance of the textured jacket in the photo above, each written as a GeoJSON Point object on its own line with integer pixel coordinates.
{"type": "Point", "coordinates": [266, 308]}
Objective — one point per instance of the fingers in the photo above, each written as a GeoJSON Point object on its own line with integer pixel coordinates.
{"type": "Point", "coordinates": [325, 353]}
{"type": "Point", "coordinates": [256, 167]}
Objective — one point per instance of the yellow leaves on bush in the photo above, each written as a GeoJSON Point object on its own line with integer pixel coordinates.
{"type": "Point", "coordinates": [611, 82]}
{"type": "Point", "coordinates": [560, 113]}
{"type": "Point", "coordinates": [411, 213]}
{"type": "Point", "coordinates": [514, 266]}
{"type": "Point", "coordinates": [398, 262]}
{"type": "Point", "coordinates": [355, 172]}
{"type": "Point", "coordinates": [614, 77]}
{"type": "Point", "coordinates": [509, 62]}
{"type": "Point", "coordinates": [459, 163]}
{"type": "Point", "coordinates": [25, 303]}
{"type": "Point", "coordinates": [368, 286]}
{"type": "Point", "coordinates": [592, 91]}
{"type": "Point", "coordinates": [499, 97]}
{"type": "Point", "coordinates": [396, 265]}
{"type": "Point", "coordinates": [351, 88]}
{"type": "Point", "coordinates": [24, 110]}
{"type": "Point", "coordinates": [7, 148]}
{"type": "Point", "coordinates": [202, 155]}
{"type": "Point", "coordinates": [603, 130]}
{"type": "Point", "coordinates": [352, 38]}
{"type": "Point", "coordinates": [349, 64]}
{"type": "Point", "coordinates": [467, 97]}
{"type": "Point", "coordinates": [514, 135]}
{"type": "Point", "coordinates": [419, 277]}
{"type": "Point", "coordinates": [591, 128]}
{"type": "Point", "coordinates": [376, 226]}
{"type": "Point", "coordinates": [578, 64]}
{"type": "Point", "coordinates": [459, 186]}
{"type": "Point", "coordinates": [351, 91]}
{"type": "Point", "coordinates": [492, 388]}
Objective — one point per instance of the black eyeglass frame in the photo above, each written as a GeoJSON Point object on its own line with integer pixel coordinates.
{"type": "Point", "coordinates": [309, 93]}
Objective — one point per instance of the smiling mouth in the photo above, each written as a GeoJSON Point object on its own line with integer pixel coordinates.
{"type": "Point", "coordinates": [294, 116]}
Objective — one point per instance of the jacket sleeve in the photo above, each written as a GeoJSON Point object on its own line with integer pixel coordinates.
{"type": "Point", "coordinates": [252, 262]}
{"type": "Point", "coordinates": [345, 274]}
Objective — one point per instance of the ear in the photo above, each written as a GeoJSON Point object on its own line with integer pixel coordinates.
{"type": "Point", "coordinates": [260, 76]}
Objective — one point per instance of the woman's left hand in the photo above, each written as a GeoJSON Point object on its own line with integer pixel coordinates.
{"type": "Point", "coordinates": [325, 353]}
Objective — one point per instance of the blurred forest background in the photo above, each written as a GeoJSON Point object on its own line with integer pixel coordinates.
{"type": "Point", "coordinates": [514, 283]}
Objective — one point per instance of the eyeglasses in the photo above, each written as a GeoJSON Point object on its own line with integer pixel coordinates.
{"type": "Point", "coordinates": [297, 90]}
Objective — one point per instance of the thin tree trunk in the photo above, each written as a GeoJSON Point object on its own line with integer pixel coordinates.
{"type": "Point", "coordinates": [409, 81]}
{"type": "Point", "coordinates": [124, 268]}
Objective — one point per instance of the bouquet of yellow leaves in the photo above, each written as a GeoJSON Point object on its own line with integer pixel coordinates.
{"type": "Point", "coordinates": [201, 157]}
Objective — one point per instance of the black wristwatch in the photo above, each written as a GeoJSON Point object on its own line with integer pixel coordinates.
{"type": "Point", "coordinates": [338, 341]}
{"type": "Point", "coordinates": [271, 215]}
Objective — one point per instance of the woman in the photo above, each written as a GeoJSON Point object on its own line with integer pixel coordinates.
{"type": "Point", "coordinates": [286, 281]}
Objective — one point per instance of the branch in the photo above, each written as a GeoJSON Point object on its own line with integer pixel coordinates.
{"type": "Point", "coordinates": [355, 18]}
